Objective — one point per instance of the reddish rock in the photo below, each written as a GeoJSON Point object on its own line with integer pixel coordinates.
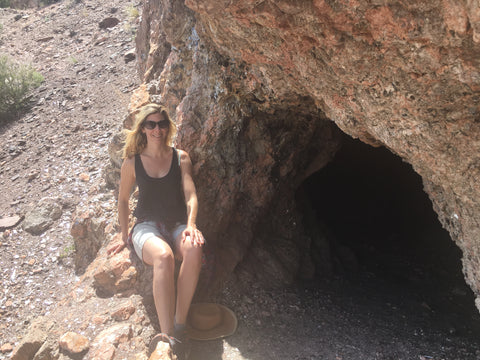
{"type": "Point", "coordinates": [115, 273]}
{"type": "Point", "coordinates": [73, 343]}
{"type": "Point", "coordinates": [5, 348]}
{"type": "Point", "coordinates": [127, 279]}
{"type": "Point", "coordinates": [139, 98]}
{"type": "Point", "coordinates": [99, 319]}
{"type": "Point", "coordinates": [254, 87]}
{"type": "Point", "coordinates": [114, 335]}
{"type": "Point", "coordinates": [103, 352]}
{"type": "Point", "coordinates": [84, 177]}
{"type": "Point", "coordinates": [123, 311]}
{"type": "Point", "coordinates": [88, 235]}
{"type": "Point", "coordinates": [162, 352]}
{"type": "Point", "coordinates": [105, 344]}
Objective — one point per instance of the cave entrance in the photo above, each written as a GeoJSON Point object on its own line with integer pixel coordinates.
{"type": "Point", "coordinates": [372, 220]}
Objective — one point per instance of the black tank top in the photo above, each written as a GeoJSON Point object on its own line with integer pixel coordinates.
{"type": "Point", "coordinates": [160, 199]}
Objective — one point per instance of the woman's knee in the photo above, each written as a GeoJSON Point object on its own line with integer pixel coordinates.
{"type": "Point", "coordinates": [159, 254]}
{"type": "Point", "coordinates": [192, 253]}
{"type": "Point", "coordinates": [163, 256]}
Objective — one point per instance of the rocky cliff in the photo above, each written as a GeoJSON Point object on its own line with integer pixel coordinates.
{"type": "Point", "coordinates": [260, 90]}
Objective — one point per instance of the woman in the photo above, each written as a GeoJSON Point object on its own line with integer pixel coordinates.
{"type": "Point", "coordinates": [166, 212]}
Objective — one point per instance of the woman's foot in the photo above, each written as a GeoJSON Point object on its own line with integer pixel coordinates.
{"type": "Point", "coordinates": [178, 343]}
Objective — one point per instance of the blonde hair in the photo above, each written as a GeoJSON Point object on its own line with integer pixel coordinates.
{"type": "Point", "coordinates": [136, 140]}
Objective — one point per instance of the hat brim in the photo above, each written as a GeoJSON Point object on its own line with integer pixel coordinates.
{"type": "Point", "coordinates": [226, 328]}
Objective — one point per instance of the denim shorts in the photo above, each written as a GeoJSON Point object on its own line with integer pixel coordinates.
{"type": "Point", "coordinates": [148, 229]}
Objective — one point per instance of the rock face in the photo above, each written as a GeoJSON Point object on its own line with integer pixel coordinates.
{"type": "Point", "coordinates": [257, 88]}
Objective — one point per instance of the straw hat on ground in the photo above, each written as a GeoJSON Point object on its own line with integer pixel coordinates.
{"type": "Point", "coordinates": [208, 321]}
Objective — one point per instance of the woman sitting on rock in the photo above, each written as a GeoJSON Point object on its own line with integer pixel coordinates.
{"type": "Point", "coordinates": [166, 212]}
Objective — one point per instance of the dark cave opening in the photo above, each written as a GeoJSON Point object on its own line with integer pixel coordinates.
{"type": "Point", "coordinates": [376, 221]}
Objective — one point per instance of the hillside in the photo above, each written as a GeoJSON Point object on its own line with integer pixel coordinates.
{"type": "Point", "coordinates": [59, 150]}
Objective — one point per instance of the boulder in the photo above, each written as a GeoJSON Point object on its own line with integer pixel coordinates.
{"type": "Point", "coordinates": [73, 343]}
{"type": "Point", "coordinates": [116, 273]}
{"type": "Point", "coordinates": [34, 339]}
{"type": "Point", "coordinates": [42, 216]}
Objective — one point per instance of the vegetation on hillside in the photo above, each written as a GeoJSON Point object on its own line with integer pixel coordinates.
{"type": "Point", "coordinates": [23, 4]}
{"type": "Point", "coordinates": [16, 83]}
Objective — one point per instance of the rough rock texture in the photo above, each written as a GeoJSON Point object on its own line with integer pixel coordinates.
{"type": "Point", "coordinates": [73, 343]}
{"type": "Point", "coordinates": [32, 342]}
{"type": "Point", "coordinates": [42, 217]}
{"type": "Point", "coordinates": [117, 326]}
{"type": "Point", "coordinates": [88, 232]}
{"type": "Point", "coordinates": [256, 86]}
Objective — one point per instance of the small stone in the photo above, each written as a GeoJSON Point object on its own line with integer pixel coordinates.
{"type": "Point", "coordinates": [99, 319]}
{"type": "Point", "coordinates": [84, 177]}
{"type": "Point", "coordinates": [10, 221]}
{"type": "Point", "coordinates": [129, 55]}
{"type": "Point", "coordinates": [108, 23]}
{"type": "Point", "coordinates": [74, 343]}
{"type": "Point", "coordinates": [32, 262]}
{"type": "Point", "coordinates": [45, 39]}
{"type": "Point", "coordinates": [32, 175]}
{"type": "Point", "coordinates": [6, 348]}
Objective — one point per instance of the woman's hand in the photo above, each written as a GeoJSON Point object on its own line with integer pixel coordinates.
{"type": "Point", "coordinates": [191, 233]}
{"type": "Point", "coordinates": [115, 249]}
{"type": "Point", "coordinates": [117, 245]}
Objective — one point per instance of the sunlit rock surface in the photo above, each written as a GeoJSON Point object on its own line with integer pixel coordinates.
{"type": "Point", "coordinates": [256, 86]}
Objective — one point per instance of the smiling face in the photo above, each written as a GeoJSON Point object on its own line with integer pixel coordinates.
{"type": "Point", "coordinates": [159, 133]}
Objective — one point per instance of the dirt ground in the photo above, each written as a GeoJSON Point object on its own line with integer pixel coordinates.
{"type": "Point", "coordinates": [59, 150]}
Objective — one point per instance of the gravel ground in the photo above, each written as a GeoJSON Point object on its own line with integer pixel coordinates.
{"type": "Point", "coordinates": [59, 150]}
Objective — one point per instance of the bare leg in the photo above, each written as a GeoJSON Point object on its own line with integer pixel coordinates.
{"type": "Point", "coordinates": [157, 252]}
{"type": "Point", "coordinates": [187, 276]}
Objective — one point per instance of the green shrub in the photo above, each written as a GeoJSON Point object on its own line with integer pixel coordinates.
{"type": "Point", "coordinates": [132, 12]}
{"type": "Point", "coordinates": [4, 3]}
{"type": "Point", "coordinates": [16, 81]}
{"type": "Point", "coordinates": [48, 2]}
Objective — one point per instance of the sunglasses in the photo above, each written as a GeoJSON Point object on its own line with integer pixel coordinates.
{"type": "Point", "coordinates": [150, 125]}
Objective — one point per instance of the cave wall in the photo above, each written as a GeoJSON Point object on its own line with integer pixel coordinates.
{"type": "Point", "coordinates": [255, 86]}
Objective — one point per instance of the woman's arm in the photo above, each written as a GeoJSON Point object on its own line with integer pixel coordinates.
{"type": "Point", "coordinates": [127, 180]}
{"type": "Point", "coordinates": [191, 200]}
